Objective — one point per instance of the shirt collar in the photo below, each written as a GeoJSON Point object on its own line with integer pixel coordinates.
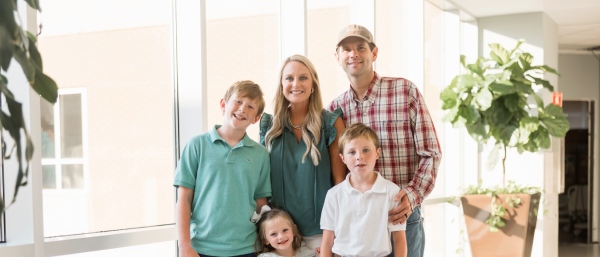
{"type": "Point", "coordinates": [378, 187]}
{"type": "Point", "coordinates": [370, 96]}
{"type": "Point", "coordinates": [214, 136]}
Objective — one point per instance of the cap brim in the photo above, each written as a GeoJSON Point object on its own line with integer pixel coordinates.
{"type": "Point", "coordinates": [358, 36]}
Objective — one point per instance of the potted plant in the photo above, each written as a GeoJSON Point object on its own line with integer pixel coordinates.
{"type": "Point", "coordinates": [496, 100]}
{"type": "Point", "coordinates": [19, 44]}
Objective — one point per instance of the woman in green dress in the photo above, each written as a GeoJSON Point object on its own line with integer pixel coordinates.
{"type": "Point", "coordinates": [302, 138]}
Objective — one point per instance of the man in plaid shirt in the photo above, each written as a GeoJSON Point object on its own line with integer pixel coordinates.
{"type": "Point", "coordinates": [395, 109]}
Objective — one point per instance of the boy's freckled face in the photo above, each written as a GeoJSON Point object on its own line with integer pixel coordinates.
{"type": "Point", "coordinates": [360, 155]}
{"type": "Point", "coordinates": [239, 112]}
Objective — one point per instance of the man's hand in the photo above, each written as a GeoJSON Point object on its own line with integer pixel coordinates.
{"type": "Point", "coordinates": [401, 213]}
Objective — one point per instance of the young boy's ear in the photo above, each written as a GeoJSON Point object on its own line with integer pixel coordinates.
{"type": "Point", "coordinates": [257, 118]}
{"type": "Point", "coordinates": [222, 105]}
{"type": "Point", "coordinates": [342, 157]}
{"type": "Point", "coordinates": [378, 152]}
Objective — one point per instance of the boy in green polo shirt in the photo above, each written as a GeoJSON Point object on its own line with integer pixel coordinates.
{"type": "Point", "coordinates": [222, 178]}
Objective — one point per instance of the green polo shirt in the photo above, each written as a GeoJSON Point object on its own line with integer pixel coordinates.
{"type": "Point", "coordinates": [226, 182]}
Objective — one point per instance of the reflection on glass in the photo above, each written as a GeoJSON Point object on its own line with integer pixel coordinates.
{"type": "Point", "coordinates": [47, 122]}
{"type": "Point", "coordinates": [70, 125]}
{"type": "Point", "coordinates": [49, 176]}
{"type": "Point", "coordinates": [72, 176]}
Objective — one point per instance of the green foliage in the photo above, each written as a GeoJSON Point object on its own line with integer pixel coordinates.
{"type": "Point", "coordinates": [18, 44]}
{"type": "Point", "coordinates": [492, 101]}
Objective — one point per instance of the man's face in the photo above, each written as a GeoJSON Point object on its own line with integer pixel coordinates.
{"type": "Point", "coordinates": [355, 56]}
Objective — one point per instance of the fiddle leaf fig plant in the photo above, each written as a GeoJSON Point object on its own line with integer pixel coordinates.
{"type": "Point", "coordinates": [497, 99]}
{"type": "Point", "coordinates": [19, 44]}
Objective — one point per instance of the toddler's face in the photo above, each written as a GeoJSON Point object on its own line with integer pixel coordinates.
{"type": "Point", "coordinates": [279, 234]}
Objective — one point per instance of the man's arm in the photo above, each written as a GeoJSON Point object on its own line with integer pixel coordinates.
{"type": "Point", "coordinates": [327, 243]}
{"type": "Point", "coordinates": [183, 215]}
{"type": "Point", "coordinates": [400, 249]}
{"type": "Point", "coordinates": [426, 146]}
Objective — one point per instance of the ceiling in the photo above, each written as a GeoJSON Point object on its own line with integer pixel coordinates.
{"type": "Point", "coordinates": [578, 20]}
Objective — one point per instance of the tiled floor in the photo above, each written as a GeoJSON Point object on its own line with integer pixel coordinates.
{"type": "Point", "coordinates": [579, 250]}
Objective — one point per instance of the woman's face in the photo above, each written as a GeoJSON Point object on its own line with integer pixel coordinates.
{"type": "Point", "coordinates": [297, 82]}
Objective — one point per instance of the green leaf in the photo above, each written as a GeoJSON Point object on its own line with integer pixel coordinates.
{"type": "Point", "coordinates": [499, 54]}
{"type": "Point", "coordinates": [34, 54]}
{"type": "Point", "coordinates": [469, 113]}
{"type": "Point", "coordinates": [46, 87]}
{"type": "Point", "coordinates": [451, 115]}
{"type": "Point", "coordinates": [525, 60]}
{"type": "Point", "coordinates": [502, 87]}
{"type": "Point", "coordinates": [530, 123]}
{"type": "Point", "coordinates": [6, 47]}
{"type": "Point", "coordinates": [557, 127]}
{"type": "Point", "coordinates": [448, 97]}
{"type": "Point", "coordinates": [541, 138]}
{"type": "Point", "coordinates": [484, 99]}
{"type": "Point", "coordinates": [545, 68]}
{"type": "Point", "coordinates": [478, 131]}
{"type": "Point", "coordinates": [26, 64]}
{"type": "Point", "coordinates": [555, 121]}
{"type": "Point", "coordinates": [542, 82]}
{"type": "Point", "coordinates": [538, 100]}
{"type": "Point", "coordinates": [466, 81]}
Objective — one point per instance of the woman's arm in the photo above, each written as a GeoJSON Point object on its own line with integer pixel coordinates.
{"type": "Point", "coordinates": [338, 168]}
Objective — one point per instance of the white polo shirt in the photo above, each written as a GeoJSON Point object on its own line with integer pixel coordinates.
{"type": "Point", "coordinates": [360, 220]}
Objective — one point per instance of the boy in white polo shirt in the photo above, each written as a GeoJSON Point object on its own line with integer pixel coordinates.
{"type": "Point", "coordinates": [355, 215]}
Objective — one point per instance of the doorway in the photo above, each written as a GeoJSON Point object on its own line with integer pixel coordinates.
{"type": "Point", "coordinates": [575, 203]}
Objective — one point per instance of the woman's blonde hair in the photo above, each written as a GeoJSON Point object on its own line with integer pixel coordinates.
{"type": "Point", "coordinates": [261, 240]}
{"type": "Point", "coordinates": [311, 132]}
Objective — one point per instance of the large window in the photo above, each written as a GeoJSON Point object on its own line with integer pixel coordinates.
{"type": "Point", "coordinates": [107, 144]}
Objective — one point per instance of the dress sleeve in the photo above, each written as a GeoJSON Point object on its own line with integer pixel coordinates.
{"type": "Point", "coordinates": [330, 118]}
{"type": "Point", "coordinates": [266, 122]}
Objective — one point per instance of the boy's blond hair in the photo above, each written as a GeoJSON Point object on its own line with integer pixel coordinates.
{"type": "Point", "coordinates": [249, 89]}
{"type": "Point", "coordinates": [355, 131]}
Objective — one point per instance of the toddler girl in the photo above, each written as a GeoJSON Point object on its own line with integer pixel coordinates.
{"type": "Point", "coordinates": [279, 237]}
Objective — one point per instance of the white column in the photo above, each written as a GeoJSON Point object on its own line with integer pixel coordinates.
{"type": "Point", "coordinates": [189, 38]}
{"type": "Point", "coordinates": [292, 28]}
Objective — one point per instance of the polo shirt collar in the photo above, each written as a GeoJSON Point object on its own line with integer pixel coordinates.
{"type": "Point", "coordinates": [214, 136]}
{"type": "Point", "coordinates": [378, 187]}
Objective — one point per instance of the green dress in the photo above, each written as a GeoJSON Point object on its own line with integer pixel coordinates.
{"type": "Point", "coordinates": [300, 188]}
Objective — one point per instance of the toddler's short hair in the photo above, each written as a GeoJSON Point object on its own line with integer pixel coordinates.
{"type": "Point", "coordinates": [355, 131]}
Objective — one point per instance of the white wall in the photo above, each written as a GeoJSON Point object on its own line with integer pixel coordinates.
{"type": "Point", "coordinates": [580, 80]}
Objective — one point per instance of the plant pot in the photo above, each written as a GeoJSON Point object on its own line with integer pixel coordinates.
{"type": "Point", "coordinates": [515, 239]}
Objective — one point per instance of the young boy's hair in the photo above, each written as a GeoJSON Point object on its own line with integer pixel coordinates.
{"type": "Point", "coordinates": [249, 89]}
{"type": "Point", "coordinates": [355, 131]}
{"type": "Point", "coordinates": [261, 239]}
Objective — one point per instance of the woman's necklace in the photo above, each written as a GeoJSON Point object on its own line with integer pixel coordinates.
{"type": "Point", "coordinates": [295, 127]}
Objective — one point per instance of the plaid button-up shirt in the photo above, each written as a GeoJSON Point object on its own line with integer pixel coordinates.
{"type": "Point", "coordinates": [410, 151]}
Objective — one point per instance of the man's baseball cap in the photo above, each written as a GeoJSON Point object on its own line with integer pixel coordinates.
{"type": "Point", "coordinates": [354, 30]}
